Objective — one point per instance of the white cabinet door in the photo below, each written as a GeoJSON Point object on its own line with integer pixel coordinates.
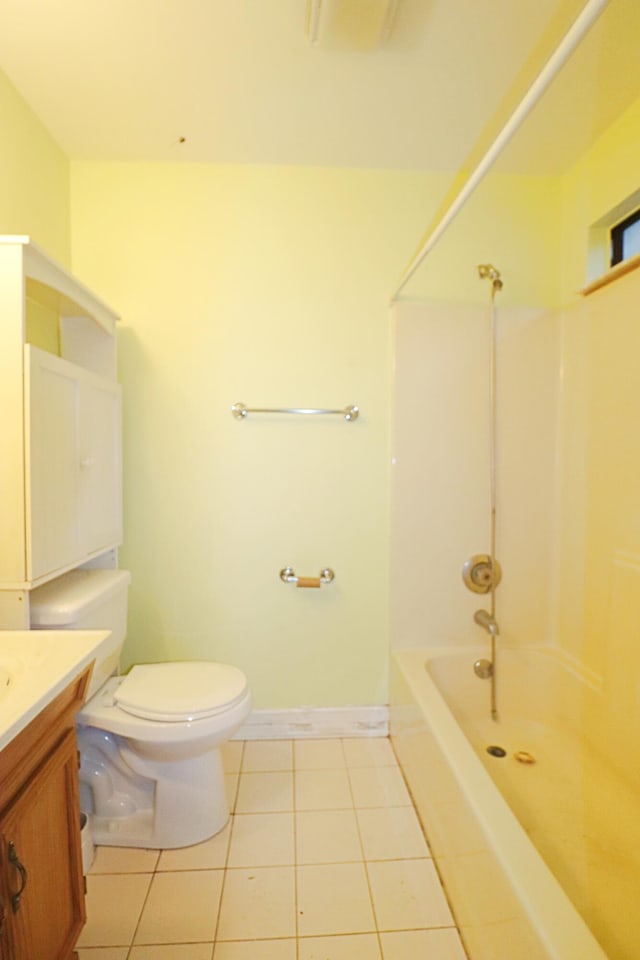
{"type": "Point", "coordinates": [100, 475]}
{"type": "Point", "coordinates": [73, 428]}
{"type": "Point", "coordinates": [53, 400]}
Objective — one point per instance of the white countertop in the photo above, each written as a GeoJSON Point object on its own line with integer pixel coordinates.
{"type": "Point", "coordinates": [37, 665]}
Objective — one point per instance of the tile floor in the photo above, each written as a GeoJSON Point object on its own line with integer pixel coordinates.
{"type": "Point", "coordinates": [323, 859]}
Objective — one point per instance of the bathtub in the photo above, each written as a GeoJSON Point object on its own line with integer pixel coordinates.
{"type": "Point", "coordinates": [482, 814]}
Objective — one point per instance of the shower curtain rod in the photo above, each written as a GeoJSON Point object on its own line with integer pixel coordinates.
{"type": "Point", "coordinates": [585, 20]}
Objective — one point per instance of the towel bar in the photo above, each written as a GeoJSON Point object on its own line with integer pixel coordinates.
{"type": "Point", "coordinates": [240, 412]}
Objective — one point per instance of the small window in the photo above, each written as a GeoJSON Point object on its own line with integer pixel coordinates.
{"type": "Point", "coordinates": [625, 239]}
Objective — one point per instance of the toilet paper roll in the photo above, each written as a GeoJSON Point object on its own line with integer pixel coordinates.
{"type": "Point", "coordinates": [308, 582]}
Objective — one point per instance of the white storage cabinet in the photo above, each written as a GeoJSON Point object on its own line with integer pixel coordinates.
{"type": "Point", "coordinates": [60, 436]}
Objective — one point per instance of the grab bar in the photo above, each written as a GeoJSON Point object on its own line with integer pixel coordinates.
{"type": "Point", "coordinates": [240, 411]}
{"type": "Point", "coordinates": [287, 575]}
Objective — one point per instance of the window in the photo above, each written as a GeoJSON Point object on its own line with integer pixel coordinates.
{"type": "Point", "coordinates": [625, 238]}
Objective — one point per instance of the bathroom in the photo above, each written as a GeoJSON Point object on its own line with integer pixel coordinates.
{"type": "Point", "coordinates": [270, 285]}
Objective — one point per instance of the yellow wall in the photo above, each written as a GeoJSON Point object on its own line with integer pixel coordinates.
{"type": "Point", "coordinates": [268, 286]}
{"type": "Point", "coordinates": [599, 470]}
{"type": "Point", "coordinates": [512, 221]}
{"type": "Point", "coordinates": [34, 177]}
{"type": "Point", "coordinates": [271, 286]}
{"type": "Point", "coordinates": [603, 178]}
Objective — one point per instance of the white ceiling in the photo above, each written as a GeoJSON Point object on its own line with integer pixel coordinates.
{"type": "Point", "coordinates": [125, 80]}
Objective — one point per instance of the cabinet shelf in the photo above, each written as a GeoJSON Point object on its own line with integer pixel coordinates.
{"type": "Point", "coordinates": [48, 282]}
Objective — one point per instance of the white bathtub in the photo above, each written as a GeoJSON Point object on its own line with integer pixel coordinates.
{"type": "Point", "coordinates": [507, 902]}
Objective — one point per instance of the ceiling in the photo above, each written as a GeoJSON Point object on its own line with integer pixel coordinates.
{"type": "Point", "coordinates": [237, 81]}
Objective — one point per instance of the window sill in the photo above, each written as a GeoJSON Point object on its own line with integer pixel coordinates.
{"type": "Point", "coordinates": [618, 271]}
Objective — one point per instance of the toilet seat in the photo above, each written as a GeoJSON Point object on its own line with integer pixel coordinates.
{"type": "Point", "coordinates": [179, 692]}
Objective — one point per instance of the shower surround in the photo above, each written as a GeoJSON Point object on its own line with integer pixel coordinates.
{"type": "Point", "coordinates": [568, 474]}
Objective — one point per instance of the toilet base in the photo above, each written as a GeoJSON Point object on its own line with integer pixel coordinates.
{"type": "Point", "coordinates": [136, 830]}
{"type": "Point", "coordinates": [186, 802]}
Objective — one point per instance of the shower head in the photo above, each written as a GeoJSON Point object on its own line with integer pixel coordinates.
{"type": "Point", "coordinates": [488, 272]}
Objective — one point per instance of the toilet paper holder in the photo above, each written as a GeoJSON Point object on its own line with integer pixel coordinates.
{"type": "Point", "coordinates": [288, 575]}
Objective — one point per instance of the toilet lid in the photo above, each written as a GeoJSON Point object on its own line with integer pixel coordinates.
{"type": "Point", "coordinates": [180, 691]}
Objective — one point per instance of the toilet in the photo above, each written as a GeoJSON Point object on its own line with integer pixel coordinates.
{"type": "Point", "coordinates": [151, 771]}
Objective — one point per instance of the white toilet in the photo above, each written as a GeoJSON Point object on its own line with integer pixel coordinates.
{"type": "Point", "coordinates": [151, 771]}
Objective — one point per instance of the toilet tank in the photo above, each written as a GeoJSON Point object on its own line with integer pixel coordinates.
{"type": "Point", "coordinates": [86, 600]}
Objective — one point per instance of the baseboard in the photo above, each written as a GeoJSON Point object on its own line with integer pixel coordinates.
{"type": "Point", "coordinates": [315, 723]}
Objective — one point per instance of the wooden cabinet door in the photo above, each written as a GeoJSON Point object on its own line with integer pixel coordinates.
{"type": "Point", "coordinates": [41, 861]}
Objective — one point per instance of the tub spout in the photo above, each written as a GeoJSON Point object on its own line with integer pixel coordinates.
{"type": "Point", "coordinates": [484, 619]}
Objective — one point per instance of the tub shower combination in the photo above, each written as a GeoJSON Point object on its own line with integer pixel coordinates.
{"type": "Point", "coordinates": [517, 844]}
{"type": "Point", "coordinates": [528, 826]}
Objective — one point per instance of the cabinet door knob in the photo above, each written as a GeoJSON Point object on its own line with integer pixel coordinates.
{"type": "Point", "coordinates": [87, 462]}
{"type": "Point", "coordinates": [14, 860]}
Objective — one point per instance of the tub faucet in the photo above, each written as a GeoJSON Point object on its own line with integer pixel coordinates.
{"type": "Point", "coordinates": [484, 619]}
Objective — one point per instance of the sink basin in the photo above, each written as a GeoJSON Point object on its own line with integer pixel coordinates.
{"type": "Point", "coordinates": [35, 666]}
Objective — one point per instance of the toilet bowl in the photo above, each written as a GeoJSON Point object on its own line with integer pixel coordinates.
{"type": "Point", "coordinates": [151, 771]}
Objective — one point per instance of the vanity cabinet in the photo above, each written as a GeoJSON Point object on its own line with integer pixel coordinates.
{"type": "Point", "coordinates": [41, 881]}
{"type": "Point", "coordinates": [60, 462]}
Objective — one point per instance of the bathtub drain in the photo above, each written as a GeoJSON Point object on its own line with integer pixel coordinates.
{"type": "Point", "coordinates": [496, 751]}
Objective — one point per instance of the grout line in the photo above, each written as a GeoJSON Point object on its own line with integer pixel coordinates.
{"type": "Point", "coordinates": [296, 863]}
{"type": "Point", "coordinates": [232, 823]}
{"type": "Point", "coordinates": [296, 901]}
{"type": "Point", "coordinates": [364, 863]}
{"type": "Point", "coordinates": [144, 903]}
{"type": "Point", "coordinates": [432, 856]}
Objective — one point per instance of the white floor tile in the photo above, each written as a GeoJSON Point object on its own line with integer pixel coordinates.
{"type": "Point", "coordinates": [359, 946]}
{"type": "Point", "coordinates": [407, 895]}
{"type": "Point", "coordinates": [267, 755]}
{"type": "Point", "coordinates": [344, 817]}
{"type": "Point", "coordinates": [265, 793]}
{"type": "Point", "coordinates": [124, 860]}
{"type": "Point", "coordinates": [391, 833]}
{"type": "Point", "coordinates": [369, 752]}
{"type": "Point", "coordinates": [232, 755]}
{"type": "Point", "coordinates": [181, 908]}
{"type": "Point", "coordinates": [434, 944]}
{"type": "Point", "coordinates": [378, 787]}
{"type": "Point", "coordinates": [327, 836]}
{"type": "Point", "coordinates": [256, 950]}
{"type": "Point", "coordinates": [262, 840]}
{"type": "Point", "coordinates": [231, 781]}
{"type": "Point", "coordinates": [211, 854]}
{"type": "Point", "coordinates": [173, 951]}
{"type": "Point", "coordinates": [114, 904]}
{"type": "Point", "coordinates": [322, 790]}
{"type": "Point", "coordinates": [333, 899]}
{"type": "Point", "coordinates": [258, 904]}
{"type": "Point", "coordinates": [318, 755]}
{"type": "Point", "coordinates": [104, 953]}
